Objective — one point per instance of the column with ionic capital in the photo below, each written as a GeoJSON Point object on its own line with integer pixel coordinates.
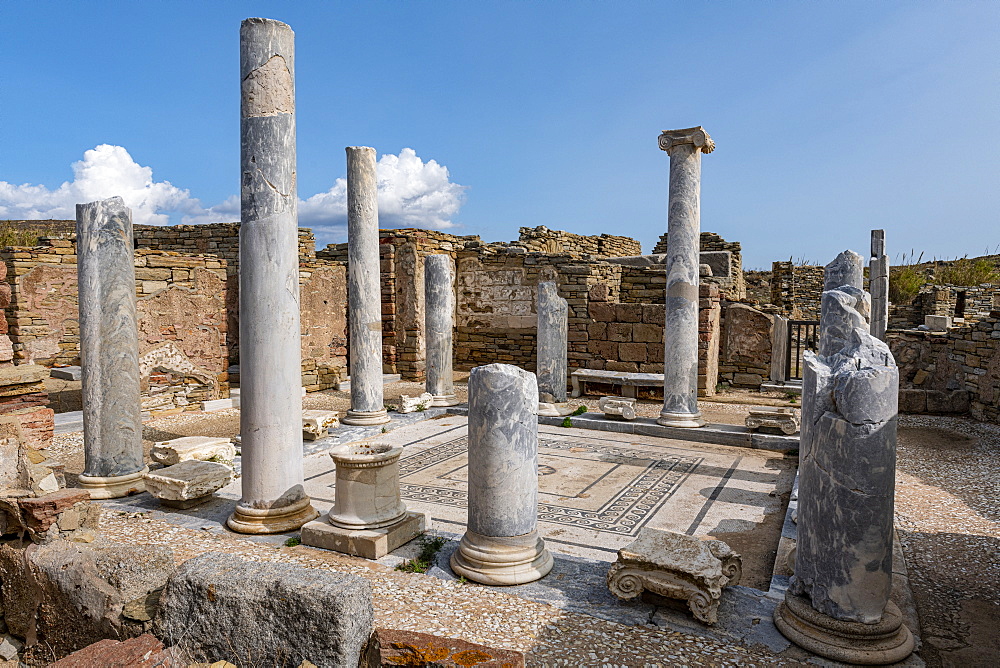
{"type": "Point", "coordinates": [364, 293]}
{"type": "Point", "coordinates": [680, 360]}
{"type": "Point", "coordinates": [273, 497]}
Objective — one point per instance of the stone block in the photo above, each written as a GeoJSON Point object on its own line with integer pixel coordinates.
{"type": "Point", "coordinates": [218, 607]}
{"type": "Point", "coordinates": [654, 314]}
{"type": "Point", "coordinates": [619, 332]}
{"type": "Point", "coordinates": [747, 379]}
{"type": "Point", "coordinates": [408, 648]}
{"type": "Point", "coordinates": [408, 404]}
{"type": "Point", "coordinates": [912, 401]}
{"type": "Point", "coordinates": [317, 424]}
{"type": "Point", "coordinates": [676, 565]}
{"type": "Point", "coordinates": [944, 401]}
{"type": "Point", "coordinates": [632, 352]}
{"type": "Point", "coordinates": [938, 323]}
{"type": "Point", "coordinates": [628, 312]}
{"type": "Point", "coordinates": [647, 333]}
{"type": "Point", "coordinates": [602, 312]}
{"type": "Point", "coordinates": [365, 543]}
{"type": "Point", "coordinates": [618, 408]}
{"type": "Point", "coordinates": [188, 448]}
{"type": "Point", "coordinates": [144, 651]}
{"type": "Point", "coordinates": [191, 480]}
{"type": "Point", "coordinates": [42, 512]}
{"type": "Point", "coordinates": [67, 373]}
{"type": "Point", "coordinates": [785, 419]}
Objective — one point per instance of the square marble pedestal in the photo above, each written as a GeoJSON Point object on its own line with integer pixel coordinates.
{"type": "Point", "coordinates": [367, 543]}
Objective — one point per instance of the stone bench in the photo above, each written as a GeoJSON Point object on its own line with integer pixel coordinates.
{"type": "Point", "coordinates": [629, 382]}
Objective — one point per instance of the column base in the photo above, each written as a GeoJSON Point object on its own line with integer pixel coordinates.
{"type": "Point", "coordinates": [365, 418]}
{"type": "Point", "coordinates": [366, 543]}
{"type": "Point", "coordinates": [445, 400]}
{"type": "Point", "coordinates": [272, 520]}
{"type": "Point", "coordinates": [501, 561]}
{"type": "Point", "coordinates": [116, 486]}
{"type": "Point", "coordinates": [685, 420]}
{"type": "Point", "coordinates": [885, 642]}
{"type": "Point", "coordinates": [555, 410]}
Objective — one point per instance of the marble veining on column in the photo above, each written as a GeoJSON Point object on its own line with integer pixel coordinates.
{"type": "Point", "coordinates": [439, 318]}
{"type": "Point", "coordinates": [680, 362]}
{"type": "Point", "coordinates": [845, 269]}
{"type": "Point", "coordinates": [109, 350]}
{"type": "Point", "coordinates": [552, 350]}
{"type": "Point", "coordinates": [364, 292]}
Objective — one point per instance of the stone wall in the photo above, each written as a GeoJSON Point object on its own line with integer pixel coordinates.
{"type": "Point", "coordinates": [745, 360]}
{"type": "Point", "coordinates": [726, 260]}
{"type": "Point", "coordinates": [967, 304]}
{"type": "Point", "coordinates": [556, 242]}
{"type": "Point", "coordinates": [796, 290]}
{"type": "Point", "coordinates": [24, 405]}
{"type": "Point", "coordinates": [950, 372]}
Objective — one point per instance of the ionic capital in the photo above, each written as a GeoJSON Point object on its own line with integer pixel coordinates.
{"type": "Point", "coordinates": [697, 136]}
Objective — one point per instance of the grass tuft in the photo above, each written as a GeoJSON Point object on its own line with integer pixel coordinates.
{"type": "Point", "coordinates": [429, 547]}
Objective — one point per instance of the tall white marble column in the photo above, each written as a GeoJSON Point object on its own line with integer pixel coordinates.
{"type": "Point", "coordinates": [680, 360]}
{"type": "Point", "coordinates": [364, 293]}
{"type": "Point", "coordinates": [439, 296]}
{"type": "Point", "coordinates": [109, 351]}
{"type": "Point", "coordinates": [878, 285]}
{"type": "Point", "coordinates": [274, 499]}
{"type": "Point", "coordinates": [501, 545]}
{"type": "Point", "coordinates": [552, 335]}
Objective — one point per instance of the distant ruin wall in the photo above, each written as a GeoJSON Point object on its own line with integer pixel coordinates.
{"type": "Point", "coordinates": [745, 360]}
{"type": "Point", "coordinates": [726, 260]}
{"type": "Point", "coordinates": [556, 242]}
{"type": "Point", "coordinates": [796, 290]}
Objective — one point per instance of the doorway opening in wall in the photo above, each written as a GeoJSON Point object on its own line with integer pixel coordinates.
{"type": "Point", "coordinates": [960, 305]}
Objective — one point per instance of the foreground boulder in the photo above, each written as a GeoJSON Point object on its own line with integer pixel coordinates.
{"type": "Point", "coordinates": [218, 607]}
{"type": "Point", "coordinates": [64, 596]}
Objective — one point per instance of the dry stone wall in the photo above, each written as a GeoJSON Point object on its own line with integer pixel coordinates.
{"type": "Point", "coordinates": [556, 242]}
{"type": "Point", "coordinates": [746, 350]}
{"type": "Point", "coordinates": [796, 290]}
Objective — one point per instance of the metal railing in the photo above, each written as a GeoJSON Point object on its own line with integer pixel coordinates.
{"type": "Point", "coordinates": [803, 335]}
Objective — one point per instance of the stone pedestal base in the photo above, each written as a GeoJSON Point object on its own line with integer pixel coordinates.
{"type": "Point", "coordinates": [445, 400]}
{"type": "Point", "coordinates": [689, 420]}
{"type": "Point", "coordinates": [367, 543]}
{"type": "Point", "coordinates": [272, 520]}
{"type": "Point", "coordinates": [878, 644]}
{"type": "Point", "coordinates": [365, 418]}
{"type": "Point", "coordinates": [114, 487]}
{"type": "Point", "coordinates": [555, 410]}
{"type": "Point", "coordinates": [510, 560]}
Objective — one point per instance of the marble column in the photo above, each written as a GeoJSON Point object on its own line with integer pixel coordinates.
{"type": "Point", "coordinates": [439, 319]}
{"type": "Point", "coordinates": [364, 292]}
{"type": "Point", "coordinates": [551, 350]}
{"type": "Point", "coordinates": [109, 351]}
{"type": "Point", "coordinates": [878, 285]}
{"type": "Point", "coordinates": [837, 604]}
{"type": "Point", "coordinates": [274, 499]}
{"type": "Point", "coordinates": [845, 269]}
{"type": "Point", "coordinates": [501, 545]}
{"type": "Point", "coordinates": [683, 261]}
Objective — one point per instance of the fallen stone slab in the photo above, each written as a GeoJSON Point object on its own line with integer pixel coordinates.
{"type": "Point", "coordinates": [144, 651]}
{"type": "Point", "coordinates": [188, 483]}
{"type": "Point", "coordinates": [182, 449]}
{"type": "Point", "coordinates": [67, 373]}
{"type": "Point", "coordinates": [316, 424]}
{"type": "Point", "coordinates": [410, 648]}
{"type": "Point", "coordinates": [218, 607]}
{"type": "Point", "coordinates": [675, 565]}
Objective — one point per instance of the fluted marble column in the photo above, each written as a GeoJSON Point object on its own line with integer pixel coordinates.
{"type": "Point", "coordinates": [502, 545]}
{"type": "Point", "coordinates": [439, 318]}
{"type": "Point", "coordinates": [109, 350]}
{"type": "Point", "coordinates": [274, 499]}
{"type": "Point", "coordinates": [364, 293]}
{"type": "Point", "coordinates": [680, 360]}
{"type": "Point", "coordinates": [878, 282]}
{"type": "Point", "coordinates": [552, 335]}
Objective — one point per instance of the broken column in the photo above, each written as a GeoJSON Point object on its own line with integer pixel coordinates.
{"type": "Point", "coordinates": [680, 361]}
{"type": "Point", "coordinates": [364, 294]}
{"type": "Point", "coordinates": [274, 499]}
{"type": "Point", "coordinates": [109, 351]}
{"type": "Point", "coordinates": [837, 604]}
{"type": "Point", "coordinates": [501, 545]}
{"type": "Point", "coordinates": [439, 295]}
{"type": "Point", "coordinates": [878, 285]}
{"type": "Point", "coordinates": [552, 340]}
{"type": "Point", "coordinates": [848, 268]}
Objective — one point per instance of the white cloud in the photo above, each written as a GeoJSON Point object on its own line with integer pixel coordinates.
{"type": "Point", "coordinates": [412, 193]}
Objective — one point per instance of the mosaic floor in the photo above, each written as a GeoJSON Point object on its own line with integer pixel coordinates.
{"type": "Point", "coordinates": [596, 489]}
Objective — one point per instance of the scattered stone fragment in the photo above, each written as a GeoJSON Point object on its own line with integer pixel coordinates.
{"type": "Point", "coordinates": [410, 648]}
{"type": "Point", "coordinates": [618, 408]}
{"type": "Point", "coordinates": [316, 424]}
{"type": "Point", "coordinates": [145, 651]}
{"type": "Point", "coordinates": [10, 647]}
{"type": "Point", "coordinates": [785, 419]}
{"type": "Point", "coordinates": [205, 448]}
{"type": "Point", "coordinates": [188, 483]}
{"type": "Point", "coordinates": [408, 404]}
{"type": "Point", "coordinates": [675, 565]}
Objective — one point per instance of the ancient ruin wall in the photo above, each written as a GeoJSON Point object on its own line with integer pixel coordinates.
{"type": "Point", "coordinates": [556, 242]}
{"type": "Point", "coordinates": [796, 289]}
{"type": "Point", "coordinates": [745, 361]}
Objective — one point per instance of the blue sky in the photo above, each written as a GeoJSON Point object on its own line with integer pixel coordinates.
{"type": "Point", "coordinates": [830, 118]}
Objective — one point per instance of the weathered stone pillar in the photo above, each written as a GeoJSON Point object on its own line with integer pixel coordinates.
{"type": "Point", "coordinates": [502, 545]}
{"type": "Point", "coordinates": [364, 292]}
{"type": "Point", "coordinates": [551, 350]}
{"type": "Point", "coordinates": [439, 302]}
{"type": "Point", "coordinates": [274, 499]}
{"type": "Point", "coordinates": [779, 349]}
{"type": "Point", "coordinates": [680, 360]}
{"type": "Point", "coordinates": [837, 604]}
{"type": "Point", "coordinates": [109, 351]}
{"type": "Point", "coordinates": [878, 285]}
